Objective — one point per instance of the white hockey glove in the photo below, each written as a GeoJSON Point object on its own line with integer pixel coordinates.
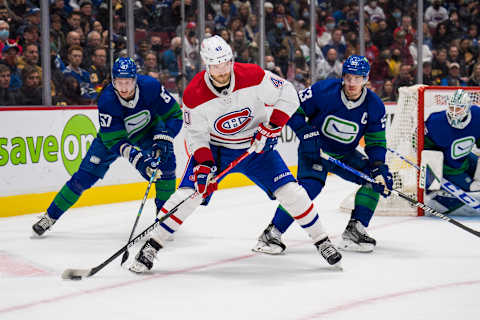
{"type": "Point", "coordinates": [266, 137]}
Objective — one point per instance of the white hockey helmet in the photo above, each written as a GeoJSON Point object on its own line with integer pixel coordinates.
{"type": "Point", "coordinates": [458, 111]}
{"type": "Point", "coordinates": [215, 50]}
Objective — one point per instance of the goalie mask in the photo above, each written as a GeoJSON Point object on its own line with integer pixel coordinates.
{"type": "Point", "coordinates": [218, 58]}
{"type": "Point", "coordinates": [458, 111]}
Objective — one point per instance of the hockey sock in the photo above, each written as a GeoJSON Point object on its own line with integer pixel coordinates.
{"type": "Point", "coordinates": [366, 201]}
{"type": "Point", "coordinates": [163, 190]}
{"type": "Point", "coordinates": [282, 220]}
{"type": "Point", "coordinates": [296, 201]}
{"type": "Point", "coordinates": [64, 199]}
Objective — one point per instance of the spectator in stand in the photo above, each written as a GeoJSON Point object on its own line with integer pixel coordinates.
{"type": "Point", "coordinates": [427, 74]}
{"type": "Point", "coordinates": [375, 12]}
{"type": "Point", "coordinates": [192, 53]}
{"type": "Point", "coordinates": [5, 37]}
{"type": "Point", "coordinates": [57, 7]}
{"type": "Point", "coordinates": [269, 16]}
{"type": "Point", "coordinates": [394, 63]}
{"type": "Point", "coordinates": [74, 21]}
{"type": "Point", "coordinates": [330, 67]}
{"type": "Point", "coordinates": [282, 61]}
{"type": "Point", "coordinates": [383, 38]}
{"type": "Point", "coordinates": [400, 43]}
{"type": "Point", "coordinates": [435, 14]}
{"type": "Point", "coordinates": [156, 44]}
{"type": "Point", "coordinates": [151, 63]}
{"type": "Point", "coordinates": [473, 35]}
{"type": "Point", "coordinates": [427, 55]}
{"type": "Point", "coordinates": [225, 34]}
{"type": "Point", "coordinates": [75, 58]}
{"type": "Point", "coordinates": [380, 69]}
{"type": "Point", "coordinates": [10, 59]}
{"type": "Point", "coordinates": [439, 66]}
{"type": "Point", "coordinates": [30, 35]}
{"type": "Point", "coordinates": [441, 37]}
{"type": "Point", "coordinates": [169, 58]}
{"type": "Point", "coordinates": [404, 78]}
{"type": "Point", "coordinates": [474, 79]}
{"type": "Point", "coordinates": [455, 30]}
{"type": "Point", "coordinates": [4, 13]}
{"type": "Point", "coordinates": [222, 20]}
{"type": "Point", "coordinates": [30, 58]}
{"type": "Point", "coordinates": [98, 70]}
{"type": "Point", "coordinates": [57, 37]}
{"type": "Point", "coordinates": [395, 20]}
{"type": "Point", "coordinates": [70, 93]}
{"type": "Point", "coordinates": [239, 42]}
{"type": "Point", "coordinates": [278, 35]}
{"type": "Point", "coordinates": [371, 50]}
{"type": "Point", "coordinates": [467, 55]}
{"type": "Point", "coordinates": [252, 30]}
{"type": "Point", "coordinates": [30, 94]}
{"type": "Point", "coordinates": [86, 8]}
{"type": "Point", "coordinates": [8, 96]}
{"type": "Point", "coordinates": [387, 92]}
{"type": "Point", "coordinates": [31, 17]}
{"type": "Point", "coordinates": [301, 66]}
{"type": "Point", "coordinates": [94, 40]}
{"type": "Point", "coordinates": [324, 33]}
{"type": "Point", "coordinates": [453, 78]}
{"type": "Point", "coordinates": [336, 43]}
{"type": "Point", "coordinates": [243, 55]}
{"type": "Point", "coordinates": [407, 28]}
{"type": "Point", "coordinates": [244, 12]}
{"type": "Point", "coordinates": [73, 39]}
{"type": "Point", "coordinates": [270, 66]}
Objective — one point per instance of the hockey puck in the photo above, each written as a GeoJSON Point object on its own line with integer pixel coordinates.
{"type": "Point", "coordinates": [75, 277]}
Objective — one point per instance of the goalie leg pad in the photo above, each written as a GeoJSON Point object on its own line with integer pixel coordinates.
{"type": "Point", "coordinates": [297, 203]}
{"type": "Point", "coordinates": [431, 173]}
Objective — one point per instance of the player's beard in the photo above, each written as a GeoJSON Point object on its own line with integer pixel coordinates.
{"type": "Point", "coordinates": [221, 80]}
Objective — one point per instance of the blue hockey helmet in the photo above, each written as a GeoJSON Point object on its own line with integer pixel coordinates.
{"type": "Point", "coordinates": [357, 65]}
{"type": "Point", "coordinates": [124, 67]}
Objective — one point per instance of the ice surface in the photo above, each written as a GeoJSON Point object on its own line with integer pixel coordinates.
{"type": "Point", "coordinates": [422, 268]}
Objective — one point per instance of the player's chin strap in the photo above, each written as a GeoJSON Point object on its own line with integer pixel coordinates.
{"type": "Point", "coordinates": [78, 274]}
{"type": "Point", "coordinates": [400, 194]}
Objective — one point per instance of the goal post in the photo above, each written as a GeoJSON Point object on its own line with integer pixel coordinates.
{"type": "Point", "coordinates": [405, 134]}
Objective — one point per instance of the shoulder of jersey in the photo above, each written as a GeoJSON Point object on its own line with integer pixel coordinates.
{"type": "Point", "coordinates": [327, 86]}
{"type": "Point", "coordinates": [147, 83]}
{"type": "Point", "coordinates": [108, 101]}
{"type": "Point", "coordinates": [437, 116]}
{"type": "Point", "coordinates": [247, 75]}
{"type": "Point", "coordinates": [475, 110]}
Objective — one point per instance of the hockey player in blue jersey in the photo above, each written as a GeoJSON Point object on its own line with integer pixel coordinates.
{"type": "Point", "coordinates": [449, 139]}
{"type": "Point", "coordinates": [340, 112]}
{"type": "Point", "coordinates": [138, 121]}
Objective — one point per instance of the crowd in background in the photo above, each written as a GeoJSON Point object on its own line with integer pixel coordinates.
{"type": "Point", "coordinates": [79, 43]}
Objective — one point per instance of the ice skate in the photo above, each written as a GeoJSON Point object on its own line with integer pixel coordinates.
{"type": "Point", "coordinates": [43, 224]}
{"type": "Point", "coordinates": [356, 238]}
{"type": "Point", "coordinates": [144, 259]}
{"type": "Point", "coordinates": [270, 241]}
{"type": "Point", "coordinates": [329, 252]}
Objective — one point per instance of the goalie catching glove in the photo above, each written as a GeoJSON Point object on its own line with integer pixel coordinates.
{"type": "Point", "coordinates": [384, 179]}
{"type": "Point", "coordinates": [145, 164]}
{"type": "Point", "coordinates": [203, 177]}
{"type": "Point", "coordinates": [266, 137]}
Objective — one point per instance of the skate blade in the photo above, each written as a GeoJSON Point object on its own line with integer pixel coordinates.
{"type": "Point", "coordinates": [349, 245]}
{"type": "Point", "coordinates": [272, 250]}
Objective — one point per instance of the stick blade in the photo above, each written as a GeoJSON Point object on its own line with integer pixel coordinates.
{"type": "Point", "coordinates": [75, 274]}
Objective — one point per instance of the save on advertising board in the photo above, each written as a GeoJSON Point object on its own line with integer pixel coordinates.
{"type": "Point", "coordinates": [40, 148]}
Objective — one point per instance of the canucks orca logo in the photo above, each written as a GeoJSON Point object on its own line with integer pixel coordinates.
{"type": "Point", "coordinates": [340, 130]}
{"type": "Point", "coordinates": [233, 122]}
{"type": "Point", "coordinates": [277, 83]}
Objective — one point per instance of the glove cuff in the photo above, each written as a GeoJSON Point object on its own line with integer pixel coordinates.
{"type": "Point", "coordinates": [163, 136]}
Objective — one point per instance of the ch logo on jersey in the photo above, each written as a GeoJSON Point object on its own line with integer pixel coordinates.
{"type": "Point", "coordinates": [233, 122]}
{"type": "Point", "coordinates": [340, 130]}
{"type": "Point", "coordinates": [461, 147]}
{"type": "Point", "coordinates": [277, 83]}
{"type": "Point", "coordinates": [137, 122]}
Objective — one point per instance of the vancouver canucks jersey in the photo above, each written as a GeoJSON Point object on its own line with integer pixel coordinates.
{"type": "Point", "coordinates": [455, 144]}
{"type": "Point", "coordinates": [342, 123]}
{"type": "Point", "coordinates": [152, 110]}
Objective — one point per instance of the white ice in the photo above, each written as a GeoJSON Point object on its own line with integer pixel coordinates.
{"type": "Point", "coordinates": [422, 268]}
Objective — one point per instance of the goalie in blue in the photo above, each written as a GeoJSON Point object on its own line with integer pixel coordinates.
{"type": "Point", "coordinates": [138, 121]}
{"type": "Point", "coordinates": [333, 116]}
{"type": "Point", "coordinates": [450, 136]}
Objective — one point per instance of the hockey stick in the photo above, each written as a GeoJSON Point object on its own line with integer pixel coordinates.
{"type": "Point", "coordinates": [400, 194]}
{"type": "Point", "coordinates": [445, 185]}
{"type": "Point", "coordinates": [79, 274]}
{"type": "Point", "coordinates": [126, 253]}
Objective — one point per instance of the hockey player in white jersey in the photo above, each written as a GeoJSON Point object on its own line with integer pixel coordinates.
{"type": "Point", "coordinates": [450, 136]}
{"type": "Point", "coordinates": [226, 110]}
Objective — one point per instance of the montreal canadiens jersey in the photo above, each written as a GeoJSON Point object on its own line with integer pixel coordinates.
{"type": "Point", "coordinates": [342, 123]}
{"type": "Point", "coordinates": [152, 109]}
{"type": "Point", "coordinates": [455, 144]}
{"type": "Point", "coordinates": [229, 119]}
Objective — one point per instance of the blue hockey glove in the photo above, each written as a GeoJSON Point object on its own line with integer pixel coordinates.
{"type": "Point", "coordinates": [310, 143]}
{"type": "Point", "coordinates": [162, 146]}
{"type": "Point", "coordinates": [203, 176]}
{"type": "Point", "coordinates": [383, 177]}
{"type": "Point", "coordinates": [145, 164]}
{"type": "Point", "coordinates": [266, 137]}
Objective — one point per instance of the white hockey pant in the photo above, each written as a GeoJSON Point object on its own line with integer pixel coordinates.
{"type": "Point", "coordinates": [297, 203]}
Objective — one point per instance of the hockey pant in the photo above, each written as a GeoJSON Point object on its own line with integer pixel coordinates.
{"type": "Point", "coordinates": [267, 170]}
{"type": "Point", "coordinates": [93, 168]}
{"type": "Point", "coordinates": [312, 174]}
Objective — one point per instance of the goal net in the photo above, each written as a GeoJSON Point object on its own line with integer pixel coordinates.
{"type": "Point", "coordinates": [405, 135]}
